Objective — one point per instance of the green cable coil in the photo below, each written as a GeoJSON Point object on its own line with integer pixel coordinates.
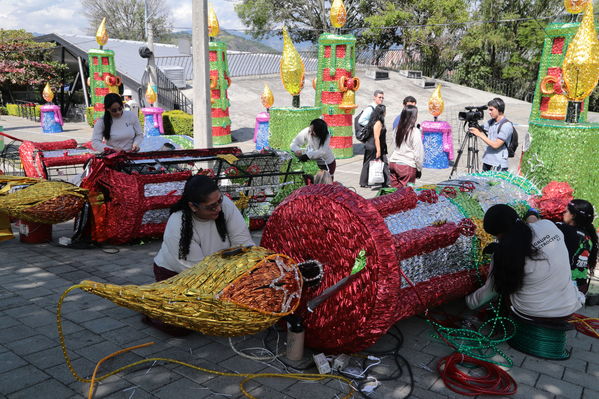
{"type": "Point", "coordinates": [539, 341]}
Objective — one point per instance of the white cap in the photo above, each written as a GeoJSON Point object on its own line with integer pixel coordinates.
{"type": "Point", "coordinates": [127, 92]}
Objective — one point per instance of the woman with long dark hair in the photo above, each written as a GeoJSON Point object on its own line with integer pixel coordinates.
{"type": "Point", "coordinates": [530, 266]}
{"type": "Point", "coordinates": [117, 130]}
{"type": "Point", "coordinates": [201, 223]}
{"type": "Point", "coordinates": [314, 142]}
{"type": "Point", "coordinates": [405, 163]}
{"type": "Point", "coordinates": [375, 148]}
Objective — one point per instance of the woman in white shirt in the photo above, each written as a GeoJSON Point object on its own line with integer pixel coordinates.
{"type": "Point", "coordinates": [530, 265]}
{"type": "Point", "coordinates": [314, 142]}
{"type": "Point", "coordinates": [202, 222]}
{"type": "Point", "coordinates": [406, 160]}
{"type": "Point", "coordinates": [117, 130]}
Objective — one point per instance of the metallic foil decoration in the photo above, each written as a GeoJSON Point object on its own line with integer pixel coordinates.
{"type": "Point", "coordinates": [556, 108]}
{"type": "Point", "coordinates": [292, 66]}
{"type": "Point", "coordinates": [575, 6]}
{"type": "Point", "coordinates": [581, 64]}
{"type": "Point", "coordinates": [436, 103]}
{"type": "Point", "coordinates": [338, 14]}
{"type": "Point", "coordinates": [101, 34]}
{"type": "Point", "coordinates": [267, 97]}
{"type": "Point", "coordinates": [213, 27]}
{"type": "Point", "coordinates": [48, 94]}
{"type": "Point", "coordinates": [151, 94]}
{"type": "Point", "coordinates": [348, 102]}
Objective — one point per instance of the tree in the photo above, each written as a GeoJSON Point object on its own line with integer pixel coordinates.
{"type": "Point", "coordinates": [306, 19]}
{"type": "Point", "coordinates": [125, 19]}
{"type": "Point", "coordinates": [24, 62]}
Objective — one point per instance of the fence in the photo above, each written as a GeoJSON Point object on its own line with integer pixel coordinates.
{"type": "Point", "coordinates": [169, 96]}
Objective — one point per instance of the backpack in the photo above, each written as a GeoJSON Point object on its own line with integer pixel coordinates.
{"type": "Point", "coordinates": [362, 133]}
{"type": "Point", "coordinates": [513, 145]}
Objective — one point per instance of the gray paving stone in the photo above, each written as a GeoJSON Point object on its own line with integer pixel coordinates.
{"type": "Point", "coordinates": [582, 378]}
{"type": "Point", "coordinates": [31, 344]}
{"type": "Point", "coordinates": [550, 368]}
{"type": "Point", "coordinates": [38, 318]}
{"type": "Point", "coordinates": [8, 321]}
{"type": "Point", "coordinates": [528, 392]}
{"type": "Point", "coordinates": [102, 324]}
{"type": "Point", "coordinates": [77, 340]}
{"type": "Point", "coordinates": [559, 387]}
{"type": "Point", "coordinates": [182, 389]}
{"type": "Point", "coordinates": [46, 358]}
{"type": "Point", "coordinates": [98, 351]}
{"type": "Point", "coordinates": [45, 389]}
{"type": "Point", "coordinates": [589, 394]}
{"type": "Point", "coordinates": [154, 377]}
{"type": "Point", "coordinates": [61, 372]}
{"type": "Point", "coordinates": [21, 378]}
{"type": "Point", "coordinates": [10, 361]}
{"type": "Point", "coordinates": [303, 389]}
{"type": "Point", "coordinates": [524, 376]}
{"type": "Point", "coordinates": [15, 333]}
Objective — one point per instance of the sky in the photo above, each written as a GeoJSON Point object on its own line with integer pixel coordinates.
{"type": "Point", "coordinates": [66, 16]}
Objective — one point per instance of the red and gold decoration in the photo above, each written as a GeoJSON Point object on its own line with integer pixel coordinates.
{"type": "Point", "coordinates": [436, 103]}
{"type": "Point", "coordinates": [575, 6]}
{"type": "Point", "coordinates": [336, 83]}
{"type": "Point", "coordinates": [219, 84]}
{"type": "Point", "coordinates": [267, 98]}
{"type": "Point", "coordinates": [50, 114]}
{"type": "Point", "coordinates": [102, 72]}
{"type": "Point", "coordinates": [292, 68]}
{"type": "Point", "coordinates": [421, 235]}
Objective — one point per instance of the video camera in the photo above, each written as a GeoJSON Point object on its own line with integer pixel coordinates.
{"type": "Point", "coordinates": [472, 115]}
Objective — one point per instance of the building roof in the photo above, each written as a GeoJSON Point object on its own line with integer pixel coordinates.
{"type": "Point", "coordinates": [129, 65]}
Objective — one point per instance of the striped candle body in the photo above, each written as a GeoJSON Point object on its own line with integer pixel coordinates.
{"type": "Point", "coordinates": [101, 64]}
{"type": "Point", "coordinates": [336, 60]}
{"type": "Point", "coordinates": [219, 83]}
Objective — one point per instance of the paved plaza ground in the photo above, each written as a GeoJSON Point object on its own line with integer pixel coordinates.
{"type": "Point", "coordinates": [33, 276]}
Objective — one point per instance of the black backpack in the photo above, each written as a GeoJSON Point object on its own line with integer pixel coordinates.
{"type": "Point", "coordinates": [362, 132]}
{"type": "Point", "coordinates": [513, 145]}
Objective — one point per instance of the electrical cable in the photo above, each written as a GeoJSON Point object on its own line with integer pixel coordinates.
{"type": "Point", "coordinates": [246, 376]}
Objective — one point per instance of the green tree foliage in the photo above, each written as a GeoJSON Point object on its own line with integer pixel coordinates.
{"type": "Point", "coordinates": [426, 30]}
{"type": "Point", "coordinates": [306, 19]}
{"type": "Point", "coordinates": [24, 62]}
{"type": "Point", "coordinates": [507, 53]}
{"type": "Point", "coordinates": [125, 19]}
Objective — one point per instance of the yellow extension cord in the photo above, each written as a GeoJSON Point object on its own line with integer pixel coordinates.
{"type": "Point", "coordinates": [246, 377]}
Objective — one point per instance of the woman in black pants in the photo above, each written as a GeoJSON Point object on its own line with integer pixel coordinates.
{"type": "Point", "coordinates": [376, 146]}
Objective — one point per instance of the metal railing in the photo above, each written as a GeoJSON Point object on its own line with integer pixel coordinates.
{"type": "Point", "coordinates": [28, 110]}
{"type": "Point", "coordinates": [169, 96]}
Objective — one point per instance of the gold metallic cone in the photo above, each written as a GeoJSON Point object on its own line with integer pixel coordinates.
{"type": "Point", "coordinates": [47, 93]}
{"type": "Point", "coordinates": [292, 66]}
{"type": "Point", "coordinates": [436, 103]}
{"type": "Point", "coordinates": [338, 15]}
{"type": "Point", "coordinates": [101, 34]}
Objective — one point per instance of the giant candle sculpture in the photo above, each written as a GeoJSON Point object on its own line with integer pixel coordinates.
{"type": "Point", "coordinates": [153, 125]}
{"type": "Point", "coordinates": [566, 150]}
{"type": "Point", "coordinates": [285, 123]}
{"type": "Point", "coordinates": [261, 130]}
{"type": "Point", "coordinates": [102, 72]}
{"type": "Point", "coordinates": [50, 116]}
{"type": "Point", "coordinates": [432, 236]}
{"type": "Point", "coordinates": [219, 83]}
{"type": "Point", "coordinates": [336, 84]}
{"type": "Point", "coordinates": [436, 135]}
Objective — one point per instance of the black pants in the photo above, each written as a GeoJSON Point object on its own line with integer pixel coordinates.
{"type": "Point", "coordinates": [487, 167]}
{"type": "Point", "coordinates": [370, 155]}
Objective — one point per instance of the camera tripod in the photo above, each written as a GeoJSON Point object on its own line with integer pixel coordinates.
{"type": "Point", "coordinates": [472, 162]}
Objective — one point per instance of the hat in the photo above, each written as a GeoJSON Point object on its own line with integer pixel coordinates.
{"type": "Point", "coordinates": [499, 219]}
{"type": "Point", "coordinates": [127, 92]}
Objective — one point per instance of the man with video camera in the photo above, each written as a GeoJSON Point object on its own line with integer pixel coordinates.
{"type": "Point", "coordinates": [497, 134]}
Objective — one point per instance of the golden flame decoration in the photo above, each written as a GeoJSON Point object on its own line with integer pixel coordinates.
{"type": "Point", "coordinates": [575, 6]}
{"type": "Point", "coordinates": [101, 34]}
{"type": "Point", "coordinates": [292, 66]}
{"type": "Point", "coordinates": [48, 94]}
{"type": "Point", "coordinates": [213, 27]}
{"type": "Point", "coordinates": [436, 103]}
{"type": "Point", "coordinates": [150, 94]}
{"type": "Point", "coordinates": [267, 97]}
{"type": "Point", "coordinates": [581, 63]}
{"type": "Point", "coordinates": [338, 14]}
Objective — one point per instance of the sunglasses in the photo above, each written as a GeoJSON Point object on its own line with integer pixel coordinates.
{"type": "Point", "coordinates": [211, 207]}
{"type": "Point", "coordinates": [115, 110]}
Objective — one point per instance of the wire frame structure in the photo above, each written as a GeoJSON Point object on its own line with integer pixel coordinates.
{"type": "Point", "coordinates": [131, 193]}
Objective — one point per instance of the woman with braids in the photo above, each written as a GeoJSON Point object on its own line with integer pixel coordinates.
{"type": "Point", "coordinates": [117, 130]}
{"type": "Point", "coordinates": [202, 222]}
{"type": "Point", "coordinates": [530, 266]}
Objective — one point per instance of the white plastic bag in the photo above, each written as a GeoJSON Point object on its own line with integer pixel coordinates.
{"type": "Point", "coordinates": [376, 172]}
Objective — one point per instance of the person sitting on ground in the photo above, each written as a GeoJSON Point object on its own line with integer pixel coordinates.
{"type": "Point", "coordinates": [117, 130]}
{"type": "Point", "coordinates": [405, 163]}
{"type": "Point", "coordinates": [202, 222]}
{"type": "Point", "coordinates": [581, 240]}
{"type": "Point", "coordinates": [530, 266]}
{"type": "Point", "coordinates": [314, 142]}
{"type": "Point", "coordinates": [409, 100]}
{"type": "Point", "coordinates": [375, 148]}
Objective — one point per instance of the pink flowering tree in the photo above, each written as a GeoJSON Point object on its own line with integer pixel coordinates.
{"type": "Point", "coordinates": [25, 63]}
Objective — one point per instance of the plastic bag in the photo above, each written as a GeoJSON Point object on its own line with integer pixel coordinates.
{"type": "Point", "coordinates": [376, 172]}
